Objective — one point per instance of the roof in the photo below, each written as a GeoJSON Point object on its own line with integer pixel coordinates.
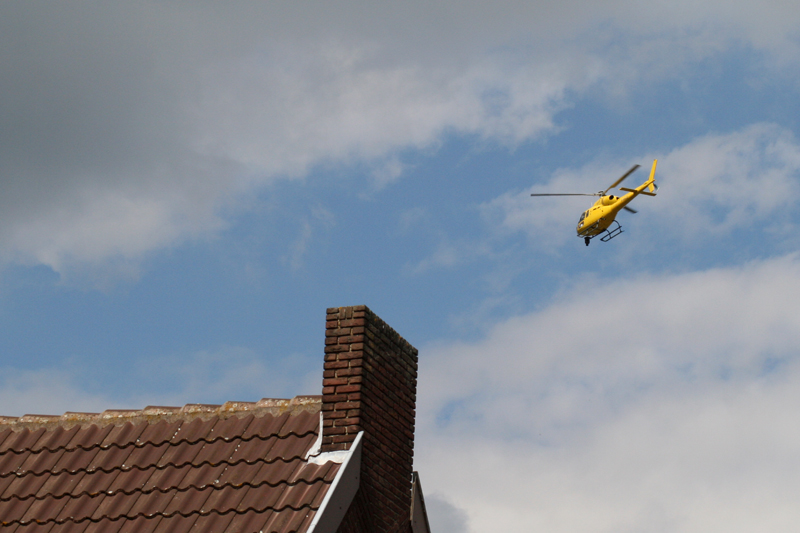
{"type": "Point", "coordinates": [236, 467]}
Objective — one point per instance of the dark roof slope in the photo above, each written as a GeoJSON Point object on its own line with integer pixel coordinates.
{"type": "Point", "coordinates": [235, 467]}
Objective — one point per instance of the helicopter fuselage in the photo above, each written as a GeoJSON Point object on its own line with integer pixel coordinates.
{"type": "Point", "coordinates": [601, 215]}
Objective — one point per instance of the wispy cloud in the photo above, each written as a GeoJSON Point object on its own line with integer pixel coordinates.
{"type": "Point", "coordinates": [724, 182]}
{"type": "Point", "coordinates": [228, 373]}
{"type": "Point", "coordinates": [712, 186]}
{"type": "Point", "coordinates": [50, 391]}
{"type": "Point", "coordinates": [448, 254]}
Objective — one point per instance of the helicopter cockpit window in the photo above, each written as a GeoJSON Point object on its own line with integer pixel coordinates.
{"type": "Point", "coordinates": [583, 215]}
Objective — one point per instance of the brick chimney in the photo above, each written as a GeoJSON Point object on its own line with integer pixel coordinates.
{"type": "Point", "coordinates": [370, 384]}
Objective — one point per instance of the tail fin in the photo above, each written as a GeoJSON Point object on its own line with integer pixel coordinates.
{"type": "Point", "coordinates": [651, 183]}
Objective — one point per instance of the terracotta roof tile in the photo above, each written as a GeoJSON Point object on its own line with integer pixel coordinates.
{"type": "Point", "coordinates": [236, 467]}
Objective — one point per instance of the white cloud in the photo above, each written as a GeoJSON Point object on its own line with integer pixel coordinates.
{"type": "Point", "coordinates": [723, 182]}
{"type": "Point", "coordinates": [105, 224]}
{"type": "Point", "coordinates": [712, 186]}
{"type": "Point", "coordinates": [654, 404]}
{"type": "Point", "coordinates": [127, 128]}
{"type": "Point", "coordinates": [153, 162]}
{"type": "Point", "coordinates": [282, 115]}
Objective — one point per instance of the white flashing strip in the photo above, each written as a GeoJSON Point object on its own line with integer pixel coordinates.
{"type": "Point", "coordinates": [341, 492]}
{"type": "Point", "coordinates": [338, 456]}
{"type": "Point", "coordinates": [315, 457]}
{"type": "Point", "coordinates": [314, 450]}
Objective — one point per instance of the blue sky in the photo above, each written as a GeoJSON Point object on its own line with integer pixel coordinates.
{"type": "Point", "coordinates": [185, 189]}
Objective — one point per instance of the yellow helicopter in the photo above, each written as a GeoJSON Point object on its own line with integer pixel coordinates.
{"type": "Point", "coordinates": [597, 219]}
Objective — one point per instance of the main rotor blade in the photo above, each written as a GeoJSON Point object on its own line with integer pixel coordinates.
{"type": "Point", "coordinates": [626, 208]}
{"type": "Point", "coordinates": [556, 194]}
{"type": "Point", "coordinates": [628, 173]}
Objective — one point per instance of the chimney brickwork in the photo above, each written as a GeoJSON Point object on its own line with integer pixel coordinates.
{"type": "Point", "coordinates": [370, 384]}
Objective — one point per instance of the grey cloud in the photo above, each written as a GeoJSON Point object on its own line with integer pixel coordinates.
{"type": "Point", "coordinates": [125, 127]}
{"type": "Point", "coordinates": [93, 132]}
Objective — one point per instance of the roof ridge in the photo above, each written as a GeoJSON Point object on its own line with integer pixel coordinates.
{"type": "Point", "coordinates": [157, 413]}
{"type": "Point", "coordinates": [137, 445]}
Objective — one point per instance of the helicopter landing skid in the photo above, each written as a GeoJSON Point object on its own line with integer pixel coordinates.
{"type": "Point", "coordinates": [611, 233]}
{"type": "Point", "coordinates": [605, 236]}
